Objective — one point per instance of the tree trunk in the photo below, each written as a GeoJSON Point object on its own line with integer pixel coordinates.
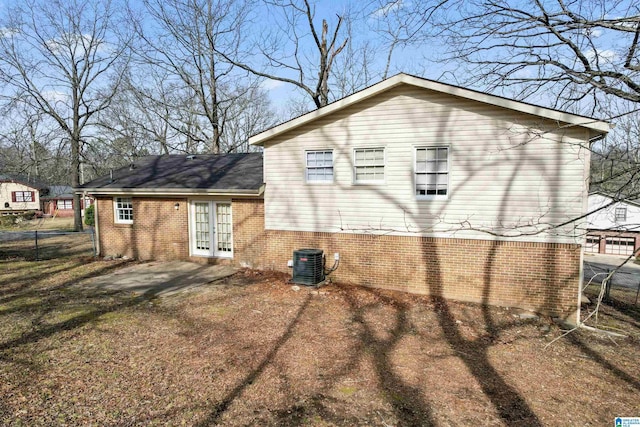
{"type": "Point", "coordinates": [75, 182]}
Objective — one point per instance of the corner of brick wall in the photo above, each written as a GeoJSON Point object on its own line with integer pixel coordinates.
{"type": "Point", "coordinates": [249, 236]}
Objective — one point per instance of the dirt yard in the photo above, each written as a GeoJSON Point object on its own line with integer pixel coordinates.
{"type": "Point", "coordinates": [250, 350]}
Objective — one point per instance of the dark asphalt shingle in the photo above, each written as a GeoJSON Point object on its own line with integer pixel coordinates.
{"type": "Point", "coordinates": [237, 171]}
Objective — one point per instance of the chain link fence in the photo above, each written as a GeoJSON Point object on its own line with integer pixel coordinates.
{"type": "Point", "coordinates": [47, 244]}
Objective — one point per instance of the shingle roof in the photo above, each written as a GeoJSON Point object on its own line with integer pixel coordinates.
{"type": "Point", "coordinates": [173, 173]}
{"type": "Point", "coordinates": [22, 179]}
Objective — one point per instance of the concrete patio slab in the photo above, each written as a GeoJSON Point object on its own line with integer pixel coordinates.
{"type": "Point", "coordinates": [162, 278]}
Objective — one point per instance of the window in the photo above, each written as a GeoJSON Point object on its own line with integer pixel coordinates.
{"type": "Point", "coordinates": [123, 207]}
{"type": "Point", "coordinates": [65, 204]}
{"type": "Point", "coordinates": [320, 166]}
{"type": "Point", "coordinates": [621, 214]}
{"type": "Point", "coordinates": [22, 196]}
{"type": "Point", "coordinates": [432, 172]}
{"type": "Point", "coordinates": [368, 165]}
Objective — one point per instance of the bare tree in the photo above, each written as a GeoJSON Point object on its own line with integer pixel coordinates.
{"type": "Point", "coordinates": [571, 49]}
{"type": "Point", "coordinates": [283, 53]}
{"type": "Point", "coordinates": [181, 43]}
{"type": "Point", "coordinates": [249, 114]}
{"type": "Point", "coordinates": [55, 57]}
{"type": "Point", "coordinates": [401, 24]}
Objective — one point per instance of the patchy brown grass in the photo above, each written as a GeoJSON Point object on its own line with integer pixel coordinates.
{"type": "Point", "coordinates": [48, 223]}
{"type": "Point", "coordinates": [50, 246]}
{"type": "Point", "coordinates": [249, 350]}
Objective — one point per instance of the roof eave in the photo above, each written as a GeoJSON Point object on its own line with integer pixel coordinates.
{"type": "Point", "coordinates": [169, 191]}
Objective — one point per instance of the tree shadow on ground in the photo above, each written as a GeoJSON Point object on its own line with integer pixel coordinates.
{"type": "Point", "coordinates": [582, 346]}
{"type": "Point", "coordinates": [221, 407]}
{"type": "Point", "coordinates": [406, 401]}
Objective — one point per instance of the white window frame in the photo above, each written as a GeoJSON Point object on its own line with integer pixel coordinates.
{"type": "Point", "coordinates": [377, 165]}
{"type": "Point", "coordinates": [620, 214]}
{"type": "Point", "coordinates": [415, 173]}
{"type": "Point", "coordinates": [117, 209]}
{"type": "Point", "coordinates": [20, 197]}
{"type": "Point", "coordinates": [307, 167]}
{"type": "Point", "coordinates": [64, 203]}
{"type": "Point", "coordinates": [213, 251]}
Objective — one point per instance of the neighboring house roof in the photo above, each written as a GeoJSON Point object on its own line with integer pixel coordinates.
{"type": "Point", "coordinates": [21, 179]}
{"type": "Point", "coordinates": [59, 192]}
{"type": "Point", "coordinates": [596, 127]}
{"type": "Point", "coordinates": [616, 199]}
{"type": "Point", "coordinates": [184, 174]}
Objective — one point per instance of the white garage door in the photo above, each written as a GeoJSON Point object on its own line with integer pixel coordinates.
{"type": "Point", "coordinates": [593, 244]}
{"type": "Point", "coordinates": [620, 245]}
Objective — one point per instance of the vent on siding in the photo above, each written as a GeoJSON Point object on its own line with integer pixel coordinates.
{"type": "Point", "coordinates": [308, 267]}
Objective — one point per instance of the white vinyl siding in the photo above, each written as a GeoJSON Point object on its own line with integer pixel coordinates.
{"type": "Point", "coordinates": [499, 176]}
{"type": "Point", "coordinates": [607, 215]}
{"type": "Point", "coordinates": [8, 196]}
{"type": "Point", "coordinates": [368, 165]}
{"type": "Point", "coordinates": [123, 209]}
{"type": "Point", "coordinates": [319, 166]}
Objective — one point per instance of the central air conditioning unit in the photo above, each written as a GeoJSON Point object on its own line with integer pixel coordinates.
{"type": "Point", "coordinates": [308, 266]}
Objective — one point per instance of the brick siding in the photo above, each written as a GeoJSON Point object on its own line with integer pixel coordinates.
{"type": "Point", "coordinates": [159, 231]}
{"type": "Point", "coordinates": [543, 277]}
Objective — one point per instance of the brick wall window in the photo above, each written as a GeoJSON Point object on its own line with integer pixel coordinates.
{"type": "Point", "coordinates": [64, 204]}
{"type": "Point", "coordinates": [368, 165]}
{"type": "Point", "coordinates": [621, 214]}
{"type": "Point", "coordinates": [22, 196]}
{"type": "Point", "coordinates": [319, 166]}
{"type": "Point", "coordinates": [432, 172]}
{"type": "Point", "coordinates": [123, 209]}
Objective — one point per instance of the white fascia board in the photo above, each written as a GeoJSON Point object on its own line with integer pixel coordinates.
{"type": "Point", "coordinates": [158, 192]}
{"type": "Point", "coordinates": [598, 127]}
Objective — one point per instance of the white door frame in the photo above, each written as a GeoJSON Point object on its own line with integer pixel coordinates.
{"type": "Point", "coordinates": [214, 248]}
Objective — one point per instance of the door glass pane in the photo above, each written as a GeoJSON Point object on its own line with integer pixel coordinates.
{"type": "Point", "coordinates": [223, 227]}
{"type": "Point", "coordinates": [203, 238]}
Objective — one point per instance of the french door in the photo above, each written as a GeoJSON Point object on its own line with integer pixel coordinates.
{"type": "Point", "coordinates": [211, 229]}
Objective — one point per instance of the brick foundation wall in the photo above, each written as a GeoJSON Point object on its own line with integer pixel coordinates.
{"type": "Point", "coordinates": [535, 276]}
{"type": "Point", "coordinates": [543, 277]}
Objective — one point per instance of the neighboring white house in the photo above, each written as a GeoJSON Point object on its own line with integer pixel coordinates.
{"type": "Point", "coordinates": [613, 227]}
{"type": "Point", "coordinates": [18, 195]}
{"type": "Point", "coordinates": [436, 189]}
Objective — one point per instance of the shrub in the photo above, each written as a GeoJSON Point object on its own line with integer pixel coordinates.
{"type": "Point", "coordinates": [90, 216]}
{"type": "Point", "coordinates": [29, 215]}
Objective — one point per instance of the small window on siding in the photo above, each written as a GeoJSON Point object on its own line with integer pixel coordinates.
{"type": "Point", "coordinates": [432, 172]}
{"type": "Point", "coordinates": [123, 207]}
{"type": "Point", "coordinates": [319, 166]}
{"type": "Point", "coordinates": [621, 214]}
{"type": "Point", "coordinates": [368, 165]}
{"type": "Point", "coordinates": [22, 196]}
